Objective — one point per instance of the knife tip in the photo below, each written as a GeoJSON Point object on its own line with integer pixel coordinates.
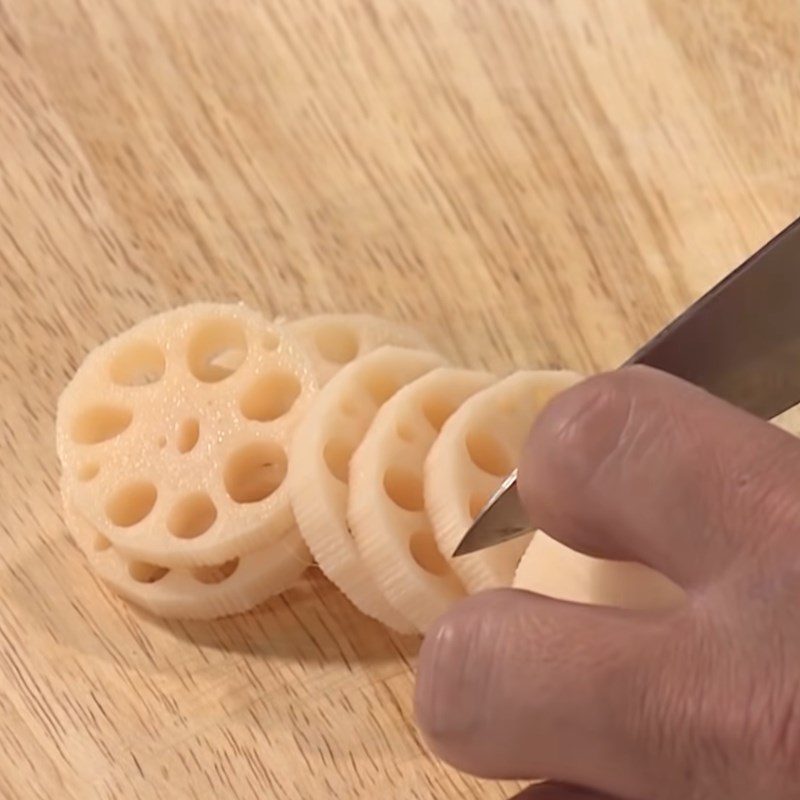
{"type": "Point", "coordinates": [463, 547]}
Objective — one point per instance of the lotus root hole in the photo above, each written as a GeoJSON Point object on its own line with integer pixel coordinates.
{"type": "Point", "coordinates": [138, 364]}
{"type": "Point", "coordinates": [488, 454]}
{"type": "Point", "coordinates": [216, 573]}
{"type": "Point", "coordinates": [192, 516]}
{"type": "Point", "coordinates": [271, 396]}
{"type": "Point", "coordinates": [404, 488]}
{"type": "Point", "coordinates": [255, 471]}
{"type": "Point", "coordinates": [217, 349]}
{"type": "Point", "coordinates": [188, 434]}
{"type": "Point", "coordinates": [131, 504]}
{"type": "Point", "coordinates": [477, 503]}
{"type": "Point", "coordinates": [336, 343]}
{"type": "Point", "coordinates": [270, 341]}
{"type": "Point", "coordinates": [100, 423]}
{"type": "Point", "coordinates": [437, 410]}
{"type": "Point", "coordinates": [380, 386]}
{"type": "Point", "coordinates": [88, 471]}
{"type": "Point", "coordinates": [100, 543]}
{"type": "Point", "coordinates": [425, 552]}
{"type": "Point", "coordinates": [142, 572]}
{"type": "Point", "coordinates": [337, 455]}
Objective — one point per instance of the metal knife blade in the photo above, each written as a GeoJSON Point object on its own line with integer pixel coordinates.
{"type": "Point", "coordinates": [740, 341]}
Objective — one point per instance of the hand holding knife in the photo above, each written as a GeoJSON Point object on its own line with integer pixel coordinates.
{"type": "Point", "coordinates": [740, 341]}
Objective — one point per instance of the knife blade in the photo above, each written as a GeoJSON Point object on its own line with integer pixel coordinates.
{"type": "Point", "coordinates": [740, 341]}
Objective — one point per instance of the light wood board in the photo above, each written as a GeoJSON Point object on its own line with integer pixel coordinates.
{"type": "Point", "coordinates": [532, 182]}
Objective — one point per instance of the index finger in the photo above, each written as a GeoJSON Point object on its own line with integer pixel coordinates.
{"type": "Point", "coordinates": [639, 465]}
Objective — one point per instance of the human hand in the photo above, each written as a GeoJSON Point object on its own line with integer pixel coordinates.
{"type": "Point", "coordinates": [698, 703]}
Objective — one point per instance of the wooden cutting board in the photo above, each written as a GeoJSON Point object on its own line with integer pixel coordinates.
{"type": "Point", "coordinates": [532, 183]}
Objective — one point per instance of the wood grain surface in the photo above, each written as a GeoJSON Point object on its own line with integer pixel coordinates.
{"type": "Point", "coordinates": [533, 182]}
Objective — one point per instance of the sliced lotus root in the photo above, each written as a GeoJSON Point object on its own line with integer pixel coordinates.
{"type": "Point", "coordinates": [478, 447]}
{"type": "Point", "coordinates": [173, 436]}
{"type": "Point", "coordinates": [333, 340]}
{"type": "Point", "coordinates": [386, 509]}
{"type": "Point", "coordinates": [319, 466]}
{"type": "Point", "coordinates": [200, 593]}
{"type": "Point", "coordinates": [550, 568]}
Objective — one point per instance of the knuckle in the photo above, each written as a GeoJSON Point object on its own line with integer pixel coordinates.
{"type": "Point", "coordinates": [763, 737]}
{"type": "Point", "coordinates": [776, 730]}
{"type": "Point", "coordinates": [761, 490]}
{"type": "Point", "coordinates": [683, 717]}
{"type": "Point", "coordinates": [661, 717]}
{"type": "Point", "coordinates": [728, 726]}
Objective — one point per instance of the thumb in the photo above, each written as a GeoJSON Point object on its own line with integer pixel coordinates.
{"type": "Point", "coordinates": [515, 685]}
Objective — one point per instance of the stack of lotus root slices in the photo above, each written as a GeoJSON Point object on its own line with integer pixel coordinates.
{"type": "Point", "coordinates": [210, 455]}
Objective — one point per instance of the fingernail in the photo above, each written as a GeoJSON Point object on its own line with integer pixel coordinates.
{"type": "Point", "coordinates": [448, 694]}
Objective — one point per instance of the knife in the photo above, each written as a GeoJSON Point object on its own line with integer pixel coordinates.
{"type": "Point", "coordinates": [740, 341]}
